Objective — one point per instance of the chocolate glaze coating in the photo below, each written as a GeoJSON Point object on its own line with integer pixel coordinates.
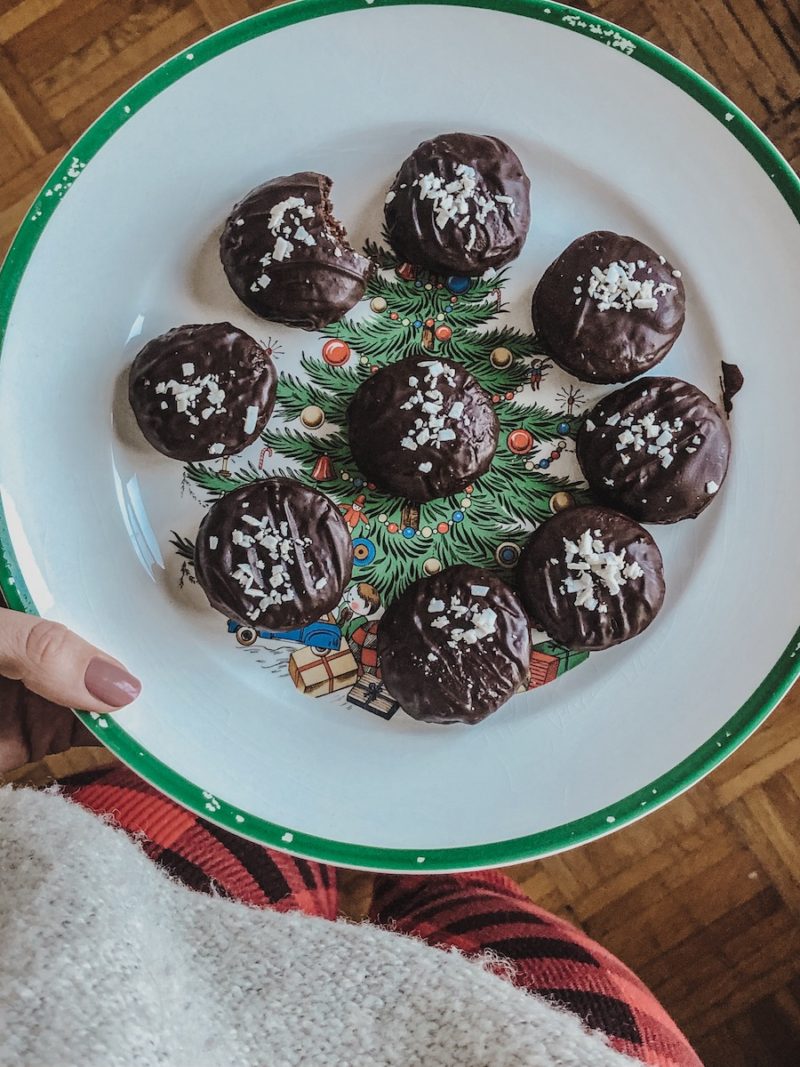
{"type": "Point", "coordinates": [286, 256]}
{"type": "Point", "coordinates": [495, 231]}
{"type": "Point", "coordinates": [643, 487]}
{"type": "Point", "coordinates": [553, 608]}
{"type": "Point", "coordinates": [383, 413]}
{"type": "Point", "coordinates": [437, 678]}
{"type": "Point", "coordinates": [241, 370]}
{"type": "Point", "coordinates": [611, 344]}
{"type": "Point", "coordinates": [311, 572]}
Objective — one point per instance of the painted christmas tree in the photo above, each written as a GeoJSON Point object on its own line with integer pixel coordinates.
{"type": "Point", "coordinates": [407, 311]}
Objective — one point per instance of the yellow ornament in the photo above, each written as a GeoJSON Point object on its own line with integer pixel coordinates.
{"type": "Point", "coordinates": [312, 417]}
{"type": "Point", "coordinates": [561, 501]}
{"type": "Point", "coordinates": [501, 358]}
{"type": "Point", "coordinates": [378, 304]}
{"type": "Point", "coordinates": [431, 566]}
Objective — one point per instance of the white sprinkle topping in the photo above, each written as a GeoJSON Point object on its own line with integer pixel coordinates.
{"type": "Point", "coordinates": [213, 542]}
{"type": "Point", "coordinates": [429, 428]}
{"type": "Point", "coordinates": [390, 196]}
{"type": "Point", "coordinates": [251, 418]}
{"type": "Point", "coordinates": [283, 250]}
{"type": "Point", "coordinates": [588, 563]}
{"type": "Point", "coordinates": [302, 234]}
{"type": "Point", "coordinates": [711, 487]}
{"type": "Point", "coordinates": [188, 369]}
{"type": "Point", "coordinates": [215, 449]}
{"type": "Point", "coordinates": [188, 395]}
{"type": "Point", "coordinates": [440, 622]}
{"type": "Point", "coordinates": [425, 467]}
{"type": "Point", "coordinates": [321, 582]}
{"type": "Point", "coordinates": [459, 200]}
{"type": "Point", "coordinates": [479, 590]}
{"type": "Point", "coordinates": [617, 287]}
{"type": "Point", "coordinates": [646, 434]}
{"type": "Point", "coordinates": [589, 425]}
{"type": "Point", "coordinates": [278, 212]}
{"type": "Point", "coordinates": [436, 605]}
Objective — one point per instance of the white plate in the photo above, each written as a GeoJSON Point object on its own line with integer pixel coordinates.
{"type": "Point", "coordinates": [120, 246]}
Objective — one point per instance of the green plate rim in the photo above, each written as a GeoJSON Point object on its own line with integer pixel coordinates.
{"type": "Point", "coordinates": [700, 762]}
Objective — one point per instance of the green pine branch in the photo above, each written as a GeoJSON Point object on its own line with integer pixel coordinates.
{"type": "Point", "coordinates": [217, 482]}
{"type": "Point", "coordinates": [334, 379]}
{"type": "Point", "coordinates": [294, 394]}
{"type": "Point", "coordinates": [537, 420]}
{"type": "Point", "coordinates": [183, 546]}
{"type": "Point", "coordinates": [383, 257]}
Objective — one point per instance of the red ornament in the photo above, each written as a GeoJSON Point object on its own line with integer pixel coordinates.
{"type": "Point", "coordinates": [392, 527]}
{"type": "Point", "coordinates": [407, 271]}
{"type": "Point", "coordinates": [443, 333]}
{"type": "Point", "coordinates": [336, 353]}
{"type": "Point", "coordinates": [509, 396]}
{"type": "Point", "coordinates": [443, 527]}
{"type": "Point", "coordinates": [323, 470]}
{"type": "Point", "coordinates": [453, 299]}
{"type": "Point", "coordinates": [429, 323]}
{"type": "Point", "coordinates": [373, 369]}
{"type": "Point", "coordinates": [495, 399]}
{"type": "Point", "coordinates": [470, 488]}
{"type": "Point", "coordinates": [520, 441]}
{"type": "Point", "coordinates": [393, 315]}
{"type": "Point", "coordinates": [555, 455]}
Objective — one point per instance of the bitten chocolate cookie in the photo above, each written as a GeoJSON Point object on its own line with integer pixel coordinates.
{"type": "Point", "coordinates": [454, 647]}
{"type": "Point", "coordinates": [286, 256]}
{"type": "Point", "coordinates": [460, 204]}
{"type": "Point", "coordinates": [422, 428]}
{"type": "Point", "coordinates": [608, 308]}
{"type": "Point", "coordinates": [657, 450]}
{"type": "Point", "coordinates": [273, 554]}
{"type": "Point", "coordinates": [591, 578]}
{"type": "Point", "coordinates": [199, 392]}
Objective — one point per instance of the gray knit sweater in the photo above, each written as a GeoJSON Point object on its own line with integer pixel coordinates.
{"type": "Point", "coordinates": [105, 961]}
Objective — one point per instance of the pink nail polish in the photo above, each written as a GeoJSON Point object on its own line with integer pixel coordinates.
{"type": "Point", "coordinates": [111, 684]}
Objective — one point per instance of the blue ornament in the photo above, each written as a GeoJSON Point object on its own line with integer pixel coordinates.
{"type": "Point", "coordinates": [457, 284]}
{"type": "Point", "coordinates": [363, 551]}
{"type": "Point", "coordinates": [418, 323]}
{"type": "Point", "coordinates": [563, 427]}
{"type": "Point", "coordinates": [358, 482]}
{"type": "Point", "coordinates": [458, 516]}
{"type": "Point", "coordinates": [409, 531]}
{"type": "Point", "coordinates": [448, 309]}
{"type": "Point", "coordinates": [544, 464]}
{"type": "Point", "coordinates": [418, 285]}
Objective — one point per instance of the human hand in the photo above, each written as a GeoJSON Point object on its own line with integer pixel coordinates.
{"type": "Point", "coordinates": [45, 669]}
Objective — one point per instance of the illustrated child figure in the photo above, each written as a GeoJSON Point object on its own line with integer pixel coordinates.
{"type": "Point", "coordinates": [360, 602]}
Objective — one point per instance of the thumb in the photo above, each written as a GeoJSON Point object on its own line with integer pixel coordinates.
{"type": "Point", "coordinates": [60, 666]}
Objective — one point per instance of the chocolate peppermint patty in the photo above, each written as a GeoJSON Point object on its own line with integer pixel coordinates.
{"type": "Point", "coordinates": [609, 308]}
{"type": "Point", "coordinates": [459, 204]}
{"type": "Point", "coordinates": [591, 578]}
{"type": "Point", "coordinates": [422, 428]}
{"type": "Point", "coordinates": [454, 647]}
{"type": "Point", "coordinates": [286, 256]}
{"type": "Point", "coordinates": [658, 449]}
{"type": "Point", "coordinates": [201, 392]}
{"type": "Point", "coordinates": [274, 554]}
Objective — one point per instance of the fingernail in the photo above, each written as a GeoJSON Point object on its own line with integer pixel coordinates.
{"type": "Point", "coordinates": [111, 684]}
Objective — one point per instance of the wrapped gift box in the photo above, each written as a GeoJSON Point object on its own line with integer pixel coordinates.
{"type": "Point", "coordinates": [549, 661]}
{"type": "Point", "coordinates": [363, 643]}
{"type": "Point", "coordinates": [317, 675]}
{"type": "Point", "coordinates": [369, 692]}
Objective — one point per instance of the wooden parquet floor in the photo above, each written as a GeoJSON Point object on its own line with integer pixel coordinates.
{"type": "Point", "coordinates": [702, 898]}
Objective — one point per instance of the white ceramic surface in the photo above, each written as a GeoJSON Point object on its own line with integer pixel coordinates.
{"type": "Point", "coordinates": [131, 250]}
